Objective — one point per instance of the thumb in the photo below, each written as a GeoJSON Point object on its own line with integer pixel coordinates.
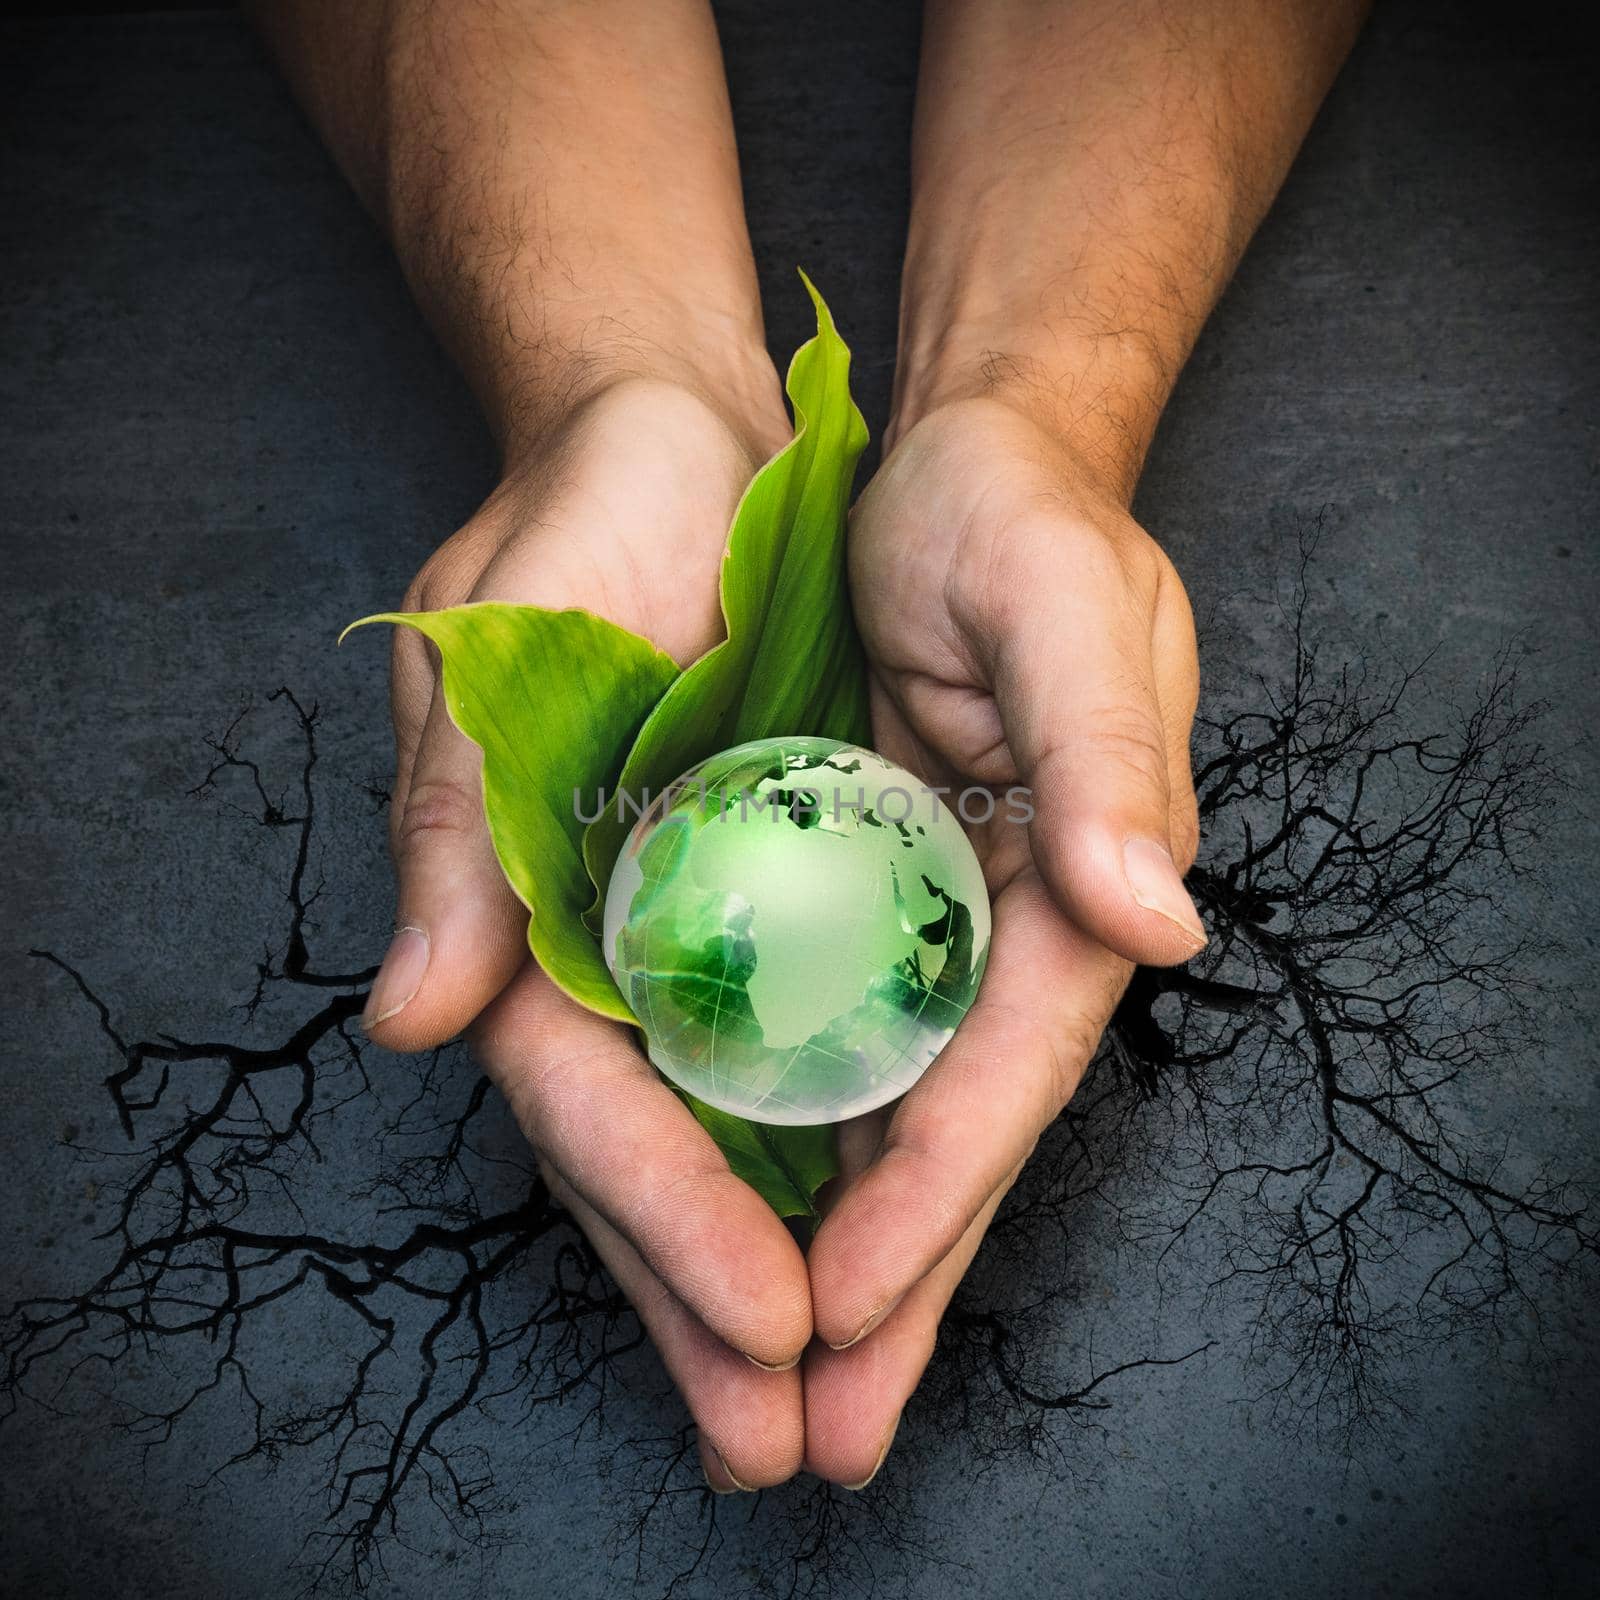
{"type": "Point", "coordinates": [461, 934]}
{"type": "Point", "coordinates": [1086, 729]}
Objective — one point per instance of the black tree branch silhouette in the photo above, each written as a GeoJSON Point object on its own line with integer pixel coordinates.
{"type": "Point", "coordinates": [1279, 1127]}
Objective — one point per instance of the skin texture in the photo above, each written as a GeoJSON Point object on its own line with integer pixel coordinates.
{"type": "Point", "coordinates": [561, 187]}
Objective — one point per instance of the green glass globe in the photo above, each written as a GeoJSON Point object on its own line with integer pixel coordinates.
{"type": "Point", "coordinates": [798, 925]}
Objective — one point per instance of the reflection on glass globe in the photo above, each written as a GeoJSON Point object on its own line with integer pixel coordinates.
{"type": "Point", "coordinates": [798, 926]}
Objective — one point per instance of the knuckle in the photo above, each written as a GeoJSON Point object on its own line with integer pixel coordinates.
{"type": "Point", "coordinates": [554, 1099]}
{"type": "Point", "coordinates": [1070, 1048]}
{"type": "Point", "coordinates": [522, 1090]}
{"type": "Point", "coordinates": [437, 808]}
{"type": "Point", "coordinates": [921, 1133]}
{"type": "Point", "coordinates": [1140, 562]}
{"type": "Point", "coordinates": [540, 1072]}
{"type": "Point", "coordinates": [1169, 583]}
{"type": "Point", "coordinates": [1127, 745]}
{"type": "Point", "coordinates": [1163, 574]}
{"type": "Point", "coordinates": [1185, 831]}
{"type": "Point", "coordinates": [920, 1142]}
{"type": "Point", "coordinates": [676, 1192]}
{"type": "Point", "coordinates": [417, 593]}
{"type": "Point", "coordinates": [446, 578]}
{"type": "Point", "coordinates": [1116, 556]}
{"type": "Point", "coordinates": [434, 588]}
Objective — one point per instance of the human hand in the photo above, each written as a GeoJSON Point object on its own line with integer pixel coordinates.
{"type": "Point", "coordinates": [623, 509]}
{"type": "Point", "coordinates": [1021, 629]}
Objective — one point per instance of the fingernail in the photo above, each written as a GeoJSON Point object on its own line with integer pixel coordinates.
{"type": "Point", "coordinates": [398, 978]}
{"type": "Point", "coordinates": [738, 1488]}
{"type": "Point", "coordinates": [867, 1326]}
{"type": "Point", "coordinates": [1154, 881]}
{"type": "Point", "coordinates": [883, 1455]}
{"type": "Point", "coordinates": [780, 1366]}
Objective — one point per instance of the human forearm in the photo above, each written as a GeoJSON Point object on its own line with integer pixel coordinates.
{"type": "Point", "coordinates": [560, 184]}
{"type": "Point", "coordinates": [1086, 175]}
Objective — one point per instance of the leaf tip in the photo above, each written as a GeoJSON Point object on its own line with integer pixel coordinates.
{"type": "Point", "coordinates": [360, 622]}
{"type": "Point", "coordinates": [824, 315]}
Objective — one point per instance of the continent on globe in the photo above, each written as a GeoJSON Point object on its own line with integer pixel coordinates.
{"type": "Point", "coordinates": [798, 925]}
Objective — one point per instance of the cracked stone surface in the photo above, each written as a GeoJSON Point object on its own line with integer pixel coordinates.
{"type": "Point", "coordinates": [225, 432]}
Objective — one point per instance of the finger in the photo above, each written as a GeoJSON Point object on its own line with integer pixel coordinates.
{"type": "Point", "coordinates": [1177, 672]}
{"type": "Point", "coordinates": [751, 1422]}
{"type": "Point", "coordinates": [595, 1108]}
{"type": "Point", "coordinates": [854, 1397]}
{"type": "Point", "coordinates": [975, 1115]}
{"type": "Point", "coordinates": [1075, 685]}
{"type": "Point", "coordinates": [857, 1141]}
{"type": "Point", "coordinates": [460, 931]}
{"type": "Point", "coordinates": [412, 677]}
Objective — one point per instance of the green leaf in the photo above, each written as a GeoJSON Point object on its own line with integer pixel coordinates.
{"type": "Point", "coordinates": [554, 699]}
{"type": "Point", "coordinates": [626, 720]}
{"type": "Point", "coordinates": [791, 662]}
{"type": "Point", "coordinates": [785, 1166]}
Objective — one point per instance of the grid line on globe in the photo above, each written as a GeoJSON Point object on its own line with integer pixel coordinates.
{"type": "Point", "coordinates": [788, 960]}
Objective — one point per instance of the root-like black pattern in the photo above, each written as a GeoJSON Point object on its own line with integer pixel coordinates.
{"type": "Point", "coordinates": [1277, 1131]}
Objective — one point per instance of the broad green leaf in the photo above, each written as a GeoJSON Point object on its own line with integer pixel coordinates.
{"type": "Point", "coordinates": [785, 1166]}
{"type": "Point", "coordinates": [627, 721]}
{"type": "Point", "coordinates": [791, 662]}
{"type": "Point", "coordinates": [554, 699]}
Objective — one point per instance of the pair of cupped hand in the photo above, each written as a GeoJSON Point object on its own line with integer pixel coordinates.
{"type": "Point", "coordinates": [1021, 628]}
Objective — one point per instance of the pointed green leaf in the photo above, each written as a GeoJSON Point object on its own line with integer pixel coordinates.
{"type": "Point", "coordinates": [791, 662]}
{"type": "Point", "coordinates": [554, 699]}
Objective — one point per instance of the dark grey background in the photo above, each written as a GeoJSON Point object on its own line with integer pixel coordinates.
{"type": "Point", "coordinates": [225, 433]}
